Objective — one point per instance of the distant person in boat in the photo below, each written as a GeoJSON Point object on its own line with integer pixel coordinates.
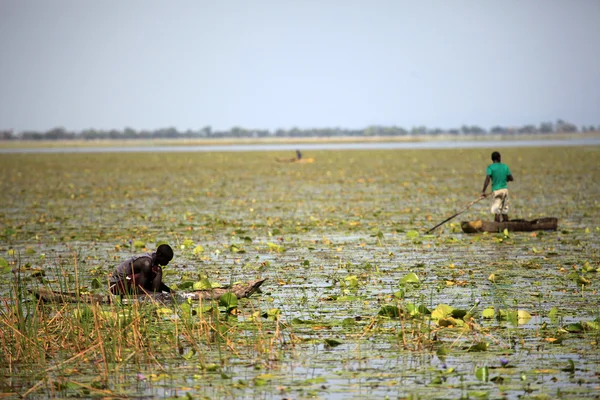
{"type": "Point", "coordinates": [298, 155]}
{"type": "Point", "coordinates": [142, 274]}
{"type": "Point", "coordinates": [499, 174]}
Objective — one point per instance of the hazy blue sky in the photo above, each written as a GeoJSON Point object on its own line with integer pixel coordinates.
{"type": "Point", "coordinates": [305, 63]}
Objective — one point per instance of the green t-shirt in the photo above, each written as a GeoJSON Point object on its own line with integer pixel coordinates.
{"type": "Point", "coordinates": [499, 172]}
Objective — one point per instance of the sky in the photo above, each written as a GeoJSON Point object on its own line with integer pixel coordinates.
{"type": "Point", "coordinates": [271, 64]}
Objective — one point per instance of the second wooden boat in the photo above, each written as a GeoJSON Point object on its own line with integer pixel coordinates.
{"type": "Point", "coordinates": [516, 225]}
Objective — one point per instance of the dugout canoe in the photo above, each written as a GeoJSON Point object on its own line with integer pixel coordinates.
{"type": "Point", "coordinates": [240, 290]}
{"type": "Point", "coordinates": [295, 160]}
{"type": "Point", "coordinates": [515, 225]}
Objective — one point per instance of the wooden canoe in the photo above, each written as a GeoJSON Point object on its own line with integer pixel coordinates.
{"type": "Point", "coordinates": [295, 160]}
{"type": "Point", "coordinates": [515, 225]}
{"type": "Point", "coordinates": [240, 290]}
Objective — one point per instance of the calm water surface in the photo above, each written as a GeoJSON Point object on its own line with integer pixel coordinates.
{"type": "Point", "coordinates": [462, 144]}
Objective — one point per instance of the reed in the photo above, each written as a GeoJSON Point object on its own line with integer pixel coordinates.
{"type": "Point", "coordinates": [47, 344]}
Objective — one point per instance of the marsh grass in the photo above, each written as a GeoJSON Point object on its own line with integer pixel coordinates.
{"type": "Point", "coordinates": [46, 343]}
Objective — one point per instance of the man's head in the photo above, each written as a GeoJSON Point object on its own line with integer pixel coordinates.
{"type": "Point", "coordinates": [164, 254]}
{"type": "Point", "coordinates": [496, 156]}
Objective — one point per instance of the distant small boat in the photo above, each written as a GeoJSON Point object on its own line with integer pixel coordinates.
{"type": "Point", "coordinates": [515, 225]}
{"type": "Point", "coordinates": [240, 290]}
{"type": "Point", "coordinates": [296, 160]}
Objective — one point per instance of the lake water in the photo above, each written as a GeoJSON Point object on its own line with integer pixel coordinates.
{"type": "Point", "coordinates": [459, 144]}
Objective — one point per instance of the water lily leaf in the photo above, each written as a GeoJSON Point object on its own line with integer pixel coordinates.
{"type": "Point", "coordinates": [592, 325]}
{"type": "Point", "coordinates": [236, 249]}
{"type": "Point", "coordinates": [532, 264]}
{"type": "Point", "coordinates": [158, 377]}
{"type": "Point", "coordinates": [578, 279]}
{"type": "Point", "coordinates": [203, 284]}
{"type": "Point", "coordinates": [38, 273]}
{"type": "Point", "coordinates": [412, 234]}
{"type": "Point", "coordinates": [204, 309]}
{"type": "Point", "coordinates": [523, 316]}
{"type": "Point", "coordinates": [441, 311]}
{"type": "Point", "coordinates": [185, 285]}
{"type": "Point", "coordinates": [189, 354]}
{"type": "Point", "coordinates": [332, 342]}
{"type": "Point", "coordinates": [574, 328]}
{"type": "Point", "coordinates": [459, 313]}
{"type": "Point", "coordinates": [198, 250]}
{"type": "Point", "coordinates": [347, 298]}
{"type": "Point", "coordinates": [488, 312]}
{"type": "Point", "coordinates": [423, 310]}
{"type": "Point", "coordinates": [553, 340]}
{"type": "Point", "coordinates": [262, 380]}
{"type": "Point", "coordinates": [515, 317]}
{"type": "Point", "coordinates": [316, 380]}
{"type": "Point", "coordinates": [275, 247]}
{"type": "Point", "coordinates": [553, 314]}
{"type": "Point", "coordinates": [588, 268]}
{"type": "Point", "coordinates": [436, 381]}
{"type": "Point", "coordinates": [351, 281]}
{"type": "Point", "coordinates": [187, 244]}
{"type": "Point", "coordinates": [570, 367]}
{"type": "Point", "coordinates": [298, 321]}
{"type": "Point", "coordinates": [185, 307]}
{"type": "Point", "coordinates": [482, 374]}
{"type": "Point", "coordinates": [4, 267]}
{"type": "Point", "coordinates": [478, 394]}
{"type": "Point", "coordinates": [450, 322]}
{"type": "Point", "coordinates": [443, 351]}
{"type": "Point", "coordinates": [481, 346]}
{"type": "Point", "coordinates": [138, 244]}
{"type": "Point", "coordinates": [410, 278]}
{"type": "Point", "coordinates": [272, 314]}
{"type": "Point", "coordinates": [228, 300]}
{"type": "Point", "coordinates": [583, 281]}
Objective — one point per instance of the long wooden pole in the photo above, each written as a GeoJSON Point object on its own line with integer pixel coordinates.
{"type": "Point", "coordinates": [458, 213]}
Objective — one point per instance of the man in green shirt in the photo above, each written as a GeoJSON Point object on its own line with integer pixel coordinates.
{"type": "Point", "coordinates": [500, 175]}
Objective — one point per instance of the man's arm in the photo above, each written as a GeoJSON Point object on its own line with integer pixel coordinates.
{"type": "Point", "coordinates": [142, 270]}
{"type": "Point", "coordinates": [510, 178]}
{"type": "Point", "coordinates": [141, 264]}
{"type": "Point", "coordinates": [164, 288]}
{"type": "Point", "coordinates": [485, 185]}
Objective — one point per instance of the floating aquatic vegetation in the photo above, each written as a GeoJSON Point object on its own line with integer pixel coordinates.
{"type": "Point", "coordinates": [359, 302]}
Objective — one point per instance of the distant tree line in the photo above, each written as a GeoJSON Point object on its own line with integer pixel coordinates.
{"type": "Point", "coordinates": [207, 132]}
